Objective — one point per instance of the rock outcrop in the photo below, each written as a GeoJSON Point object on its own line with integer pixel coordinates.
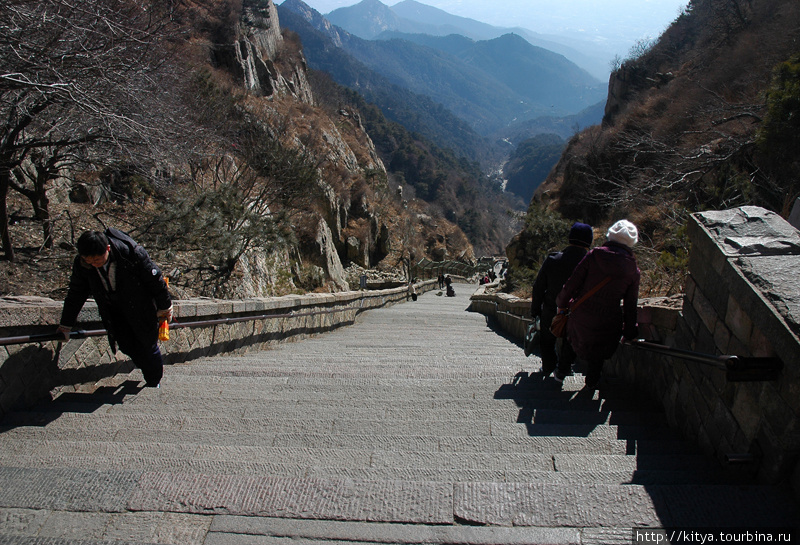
{"type": "Point", "coordinates": [329, 257]}
{"type": "Point", "coordinates": [252, 55]}
{"type": "Point", "coordinates": [316, 19]}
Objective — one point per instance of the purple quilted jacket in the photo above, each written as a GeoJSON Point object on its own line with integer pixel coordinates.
{"type": "Point", "coordinates": [596, 326]}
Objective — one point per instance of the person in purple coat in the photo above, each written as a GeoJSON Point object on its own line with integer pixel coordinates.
{"type": "Point", "coordinates": [595, 328]}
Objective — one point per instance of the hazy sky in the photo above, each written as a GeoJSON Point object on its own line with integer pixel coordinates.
{"type": "Point", "coordinates": [618, 23]}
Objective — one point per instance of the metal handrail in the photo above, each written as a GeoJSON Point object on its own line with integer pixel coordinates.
{"type": "Point", "coordinates": [82, 333]}
{"type": "Point", "coordinates": [737, 368]}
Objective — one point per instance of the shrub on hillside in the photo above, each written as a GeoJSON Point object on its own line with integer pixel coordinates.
{"type": "Point", "coordinates": [779, 135]}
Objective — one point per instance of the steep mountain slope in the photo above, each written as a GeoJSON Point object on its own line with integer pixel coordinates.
{"type": "Point", "coordinates": [565, 127]}
{"type": "Point", "coordinates": [322, 47]}
{"type": "Point", "coordinates": [451, 186]}
{"type": "Point", "coordinates": [686, 128]}
{"type": "Point", "coordinates": [531, 162]}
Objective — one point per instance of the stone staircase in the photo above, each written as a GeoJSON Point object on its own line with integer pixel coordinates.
{"type": "Point", "coordinates": [419, 424]}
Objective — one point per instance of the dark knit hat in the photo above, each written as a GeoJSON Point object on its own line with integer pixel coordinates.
{"type": "Point", "coordinates": [581, 235]}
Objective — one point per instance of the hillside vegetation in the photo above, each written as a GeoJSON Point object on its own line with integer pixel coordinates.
{"type": "Point", "coordinates": [705, 118]}
{"type": "Point", "coordinates": [530, 164]}
{"type": "Point", "coordinates": [192, 125]}
{"type": "Point", "coordinates": [453, 187]}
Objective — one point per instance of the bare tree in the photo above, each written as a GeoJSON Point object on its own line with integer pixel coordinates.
{"type": "Point", "coordinates": [30, 179]}
{"type": "Point", "coordinates": [240, 200]}
{"type": "Point", "coordinates": [724, 17]}
{"type": "Point", "coordinates": [78, 77]}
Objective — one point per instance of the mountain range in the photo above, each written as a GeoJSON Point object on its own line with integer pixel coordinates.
{"type": "Point", "coordinates": [322, 48]}
{"type": "Point", "coordinates": [489, 84]}
{"type": "Point", "coordinates": [412, 17]}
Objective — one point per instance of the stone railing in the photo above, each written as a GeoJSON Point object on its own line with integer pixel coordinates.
{"type": "Point", "coordinates": [32, 371]}
{"type": "Point", "coordinates": [509, 312]}
{"type": "Point", "coordinates": [742, 298]}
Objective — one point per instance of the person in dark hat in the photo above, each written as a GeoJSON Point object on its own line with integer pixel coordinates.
{"type": "Point", "coordinates": [130, 292]}
{"type": "Point", "coordinates": [553, 274]}
{"type": "Point", "coordinates": [596, 326]}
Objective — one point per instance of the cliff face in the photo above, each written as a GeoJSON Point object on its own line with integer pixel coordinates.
{"type": "Point", "coordinates": [251, 57]}
{"type": "Point", "coordinates": [359, 215]}
{"type": "Point", "coordinates": [681, 127]}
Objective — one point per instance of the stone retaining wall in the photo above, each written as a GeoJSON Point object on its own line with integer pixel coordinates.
{"type": "Point", "coordinates": [33, 371]}
{"type": "Point", "coordinates": [509, 312]}
{"type": "Point", "coordinates": [742, 298]}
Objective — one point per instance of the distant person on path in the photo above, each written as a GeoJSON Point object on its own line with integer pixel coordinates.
{"type": "Point", "coordinates": [448, 282]}
{"type": "Point", "coordinates": [597, 325]}
{"type": "Point", "coordinates": [130, 293]}
{"type": "Point", "coordinates": [441, 280]}
{"type": "Point", "coordinates": [555, 271]}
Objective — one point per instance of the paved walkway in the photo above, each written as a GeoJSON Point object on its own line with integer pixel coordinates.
{"type": "Point", "coordinates": [419, 424]}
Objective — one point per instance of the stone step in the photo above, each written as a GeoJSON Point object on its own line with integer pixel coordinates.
{"type": "Point", "coordinates": [228, 530]}
{"type": "Point", "coordinates": [294, 469]}
{"type": "Point", "coordinates": [26, 440]}
{"type": "Point", "coordinates": [318, 389]}
{"type": "Point", "coordinates": [262, 432]}
{"type": "Point", "coordinates": [241, 421]}
{"type": "Point", "coordinates": [519, 504]}
{"type": "Point", "coordinates": [319, 410]}
{"type": "Point", "coordinates": [396, 395]}
{"type": "Point", "coordinates": [476, 372]}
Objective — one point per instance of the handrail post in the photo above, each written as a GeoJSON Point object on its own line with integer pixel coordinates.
{"type": "Point", "coordinates": [749, 369]}
{"type": "Point", "coordinates": [737, 368]}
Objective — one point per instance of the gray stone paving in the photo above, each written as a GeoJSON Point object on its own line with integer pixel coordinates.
{"type": "Point", "coordinates": [419, 424]}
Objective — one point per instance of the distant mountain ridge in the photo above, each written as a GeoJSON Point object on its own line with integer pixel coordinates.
{"type": "Point", "coordinates": [322, 47]}
{"type": "Point", "coordinates": [490, 84]}
{"type": "Point", "coordinates": [528, 70]}
{"type": "Point", "coordinates": [370, 17]}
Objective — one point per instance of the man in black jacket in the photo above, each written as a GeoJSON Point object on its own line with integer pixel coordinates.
{"type": "Point", "coordinates": [130, 293]}
{"type": "Point", "coordinates": [552, 276]}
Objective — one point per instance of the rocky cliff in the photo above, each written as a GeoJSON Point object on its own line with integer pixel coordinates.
{"type": "Point", "coordinates": [270, 193]}
{"type": "Point", "coordinates": [360, 220]}
{"type": "Point", "coordinates": [685, 130]}
{"type": "Point", "coordinates": [353, 228]}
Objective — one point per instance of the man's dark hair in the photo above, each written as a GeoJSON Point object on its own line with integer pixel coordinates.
{"type": "Point", "coordinates": [92, 243]}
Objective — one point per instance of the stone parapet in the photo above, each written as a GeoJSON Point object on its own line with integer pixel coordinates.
{"type": "Point", "coordinates": [32, 371]}
{"type": "Point", "coordinates": [742, 298]}
{"type": "Point", "coordinates": [511, 313]}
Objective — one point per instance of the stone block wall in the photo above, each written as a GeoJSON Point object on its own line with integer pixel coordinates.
{"type": "Point", "coordinates": [742, 298]}
{"type": "Point", "coordinates": [511, 313]}
{"type": "Point", "coordinates": [31, 372]}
